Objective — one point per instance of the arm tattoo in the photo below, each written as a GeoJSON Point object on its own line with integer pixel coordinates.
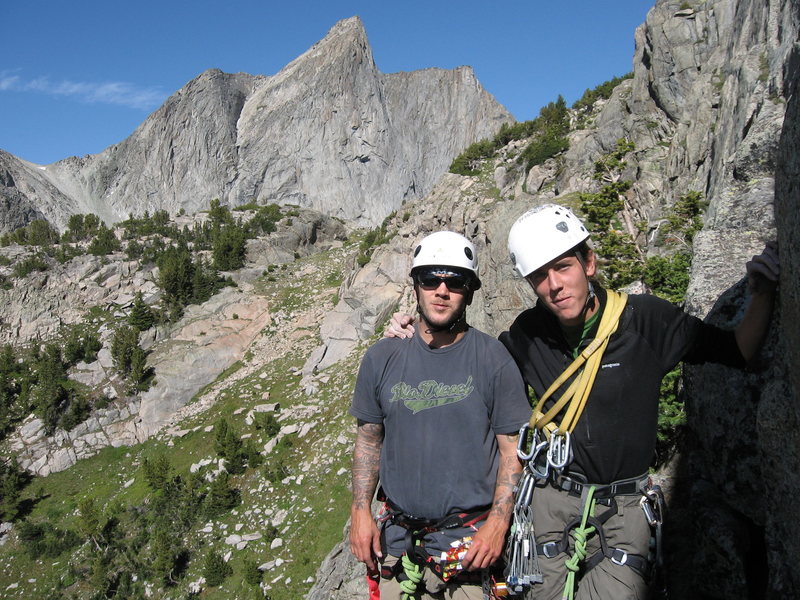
{"type": "Point", "coordinates": [508, 474]}
{"type": "Point", "coordinates": [366, 462]}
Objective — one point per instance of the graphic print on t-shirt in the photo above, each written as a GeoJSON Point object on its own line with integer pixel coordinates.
{"type": "Point", "coordinates": [430, 394]}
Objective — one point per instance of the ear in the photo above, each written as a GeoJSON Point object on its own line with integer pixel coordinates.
{"type": "Point", "coordinates": [591, 263]}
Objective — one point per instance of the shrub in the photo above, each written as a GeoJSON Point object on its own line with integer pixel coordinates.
{"type": "Point", "coordinates": [268, 423]}
{"type": "Point", "coordinates": [104, 242]}
{"type": "Point", "coordinates": [372, 239]}
{"type": "Point", "coordinates": [468, 161]}
{"type": "Point", "coordinates": [43, 540]}
{"type": "Point", "coordinates": [215, 569]}
{"type": "Point", "coordinates": [252, 574]}
{"type": "Point", "coordinates": [603, 91]}
{"type": "Point", "coordinates": [78, 410]}
{"type": "Point", "coordinates": [26, 266]}
{"type": "Point", "coordinates": [668, 277]}
{"type": "Point", "coordinates": [80, 344]}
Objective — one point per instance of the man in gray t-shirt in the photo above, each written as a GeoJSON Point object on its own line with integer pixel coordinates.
{"type": "Point", "coordinates": [438, 416]}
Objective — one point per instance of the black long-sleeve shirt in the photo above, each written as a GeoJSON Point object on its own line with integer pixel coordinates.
{"type": "Point", "coordinates": [615, 437]}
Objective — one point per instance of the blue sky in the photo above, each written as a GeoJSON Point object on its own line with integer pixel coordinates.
{"type": "Point", "coordinates": [77, 76]}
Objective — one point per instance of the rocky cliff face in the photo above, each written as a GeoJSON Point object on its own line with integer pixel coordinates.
{"type": "Point", "coordinates": [712, 107]}
{"type": "Point", "coordinates": [329, 132]}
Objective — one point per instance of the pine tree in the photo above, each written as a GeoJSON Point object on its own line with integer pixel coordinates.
{"type": "Point", "coordinates": [157, 471]}
{"type": "Point", "coordinates": [221, 496]}
{"type": "Point", "coordinates": [215, 569]}
{"type": "Point", "coordinates": [141, 317]}
{"type": "Point", "coordinates": [123, 342]}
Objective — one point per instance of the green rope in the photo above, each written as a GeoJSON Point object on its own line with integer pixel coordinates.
{"type": "Point", "coordinates": [581, 534]}
{"type": "Point", "coordinates": [414, 573]}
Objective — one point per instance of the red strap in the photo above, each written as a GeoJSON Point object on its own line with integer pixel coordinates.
{"type": "Point", "coordinates": [374, 590]}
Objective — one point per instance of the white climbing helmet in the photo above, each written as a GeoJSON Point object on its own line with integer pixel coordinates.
{"type": "Point", "coordinates": [542, 234]}
{"type": "Point", "coordinates": [447, 249]}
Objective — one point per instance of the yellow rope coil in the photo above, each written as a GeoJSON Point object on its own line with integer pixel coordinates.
{"type": "Point", "coordinates": [590, 359]}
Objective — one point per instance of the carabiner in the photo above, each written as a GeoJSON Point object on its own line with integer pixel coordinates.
{"type": "Point", "coordinates": [559, 454]}
{"type": "Point", "coordinates": [523, 439]}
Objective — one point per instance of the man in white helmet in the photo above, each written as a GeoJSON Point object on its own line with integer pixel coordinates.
{"type": "Point", "coordinates": [590, 454]}
{"type": "Point", "coordinates": [612, 437]}
{"type": "Point", "coordinates": [438, 417]}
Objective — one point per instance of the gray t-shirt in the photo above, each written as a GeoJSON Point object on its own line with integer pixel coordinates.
{"type": "Point", "coordinates": [441, 410]}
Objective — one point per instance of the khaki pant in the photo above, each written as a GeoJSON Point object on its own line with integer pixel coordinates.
{"type": "Point", "coordinates": [627, 530]}
{"type": "Point", "coordinates": [430, 588]}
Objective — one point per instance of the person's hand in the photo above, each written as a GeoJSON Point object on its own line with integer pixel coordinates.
{"type": "Point", "coordinates": [763, 270]}
{"type": "Point", "coordinates": [401, 326]}
{"type": "Point", "coordinates": [365, 539]}
{"type": "Point", "coordinates": [487, 546]}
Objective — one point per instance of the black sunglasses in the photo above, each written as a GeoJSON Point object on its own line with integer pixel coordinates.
{"type": "Point", "coordinates": [454, 283]}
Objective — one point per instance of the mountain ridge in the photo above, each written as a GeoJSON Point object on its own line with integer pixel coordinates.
{"type": "Point", "coordinates": [328, 132]}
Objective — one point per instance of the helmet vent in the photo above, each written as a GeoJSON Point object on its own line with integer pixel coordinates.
{"type": "Point", "coordinates": [468, 252]}
{"type": "Point", "coordinates": [562, 227]}
{"type": "Point", "coordinates": [418, 250]}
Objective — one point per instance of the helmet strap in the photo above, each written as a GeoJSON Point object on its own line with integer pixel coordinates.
{"type": "Point", "coordinates": [455, 324]}
{"type": "Point", "coordinates": [591, 293]}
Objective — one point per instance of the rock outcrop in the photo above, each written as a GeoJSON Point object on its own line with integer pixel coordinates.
{"type": "Point", "coordinates": [186, 356]}
{"type": "Point", "coordinates": [329, 132]}
{"type": "Point", "coordinates": [712, 107]}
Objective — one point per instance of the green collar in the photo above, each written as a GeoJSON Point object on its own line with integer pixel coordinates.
{"type": "Point", "coordinates": [575, 334]}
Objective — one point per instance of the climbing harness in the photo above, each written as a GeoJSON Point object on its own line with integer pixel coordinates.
{"type": "Point", "coordinates": [409, 570]}
{"type": "Point", "coordinates": [524, 551]}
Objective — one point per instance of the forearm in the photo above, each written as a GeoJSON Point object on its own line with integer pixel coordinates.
{"type": "Point", "coordinates": [763, 273]}
{"type": "Point", "coordinates": [364, 535]}
{"type": "Point", "coordinates": [488, 541]}
{"type": "Point", "coordinates": [752, 330]}
{"type": "Point", "coordinates": [508, 474]}
{"type": "Point", "coordinates": [366, 464]}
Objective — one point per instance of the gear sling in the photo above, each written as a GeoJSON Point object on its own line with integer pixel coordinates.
{"type": "Point", "coordinates": [546, 450]}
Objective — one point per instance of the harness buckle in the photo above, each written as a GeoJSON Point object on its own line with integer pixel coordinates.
{"type": "Point", "coordinates": [550, 549]}
{"type": "Point", "coordinates": [619, 557]}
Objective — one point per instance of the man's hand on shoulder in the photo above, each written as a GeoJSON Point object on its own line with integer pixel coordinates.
{"type": "Point", "coordinates": [401, 326]}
